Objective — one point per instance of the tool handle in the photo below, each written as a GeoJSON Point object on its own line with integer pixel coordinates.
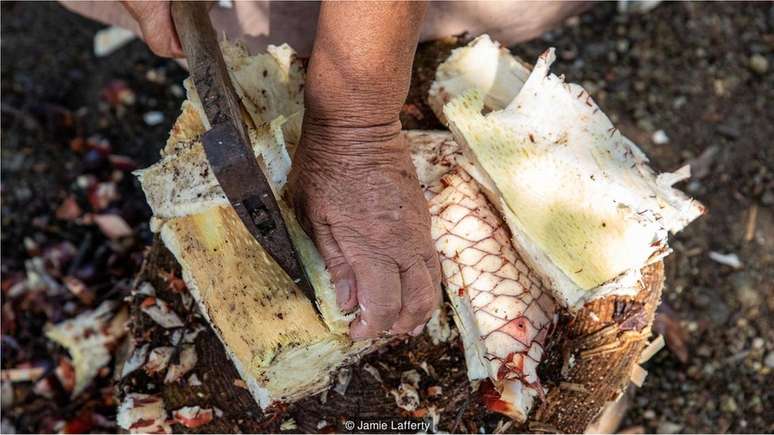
{"type": "Point", "coordinates": [206, 64]}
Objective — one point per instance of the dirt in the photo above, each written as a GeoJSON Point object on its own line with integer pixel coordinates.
{"type": "Point", "coordinates": [701, 73]}
{"type": "Point", "coordinates": [67, 133]}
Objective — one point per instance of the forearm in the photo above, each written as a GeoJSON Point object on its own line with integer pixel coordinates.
{"type": "Point", "coordinates": [360, 69]}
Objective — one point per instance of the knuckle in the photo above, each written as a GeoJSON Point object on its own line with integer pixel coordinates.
{"type": "Point", "coordinates": [411, 263]}
{"type": "Point", "coordinates": [337, 264]}
{"type": "Point", "coordinates": [368, 257]}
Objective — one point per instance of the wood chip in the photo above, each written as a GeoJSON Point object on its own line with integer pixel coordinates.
{"type": "Point", "coordinates": [160, 312]}
{"type": "Point", "coordinates": [731, 260]}
{"type": "Point", "coordinates": [112, 226]}
{"type": "Point", "coordinates": [638, 375]}
{"type": "Point", "coordinates": [342, 381]}
{"type": "Point", "coordinates": [612, 413]}
{"type": "Point", "coordinates": [159, 359]}
{"type": "Point", "coordinates": [193, 416]}
{"type": "Point", "coordinates": [288, 425]}
{"type": "Point", "coordinates": [188, 360]}
{"type": "Point", "coordinates": [651, 349]}
{"type": "Point", "coordinates": [542, 427]}
{"type": "Point", "coordinates": [143, 413]}
{"type": "Point", "coordinates": [503, 426]}
{"type": "Point", "coordinates": [373, 371]}
{"type": "Point", "coordinates": [406, 397]}
{"type": "Point", "coordinates": [25, 374]}
{"type": "Point", "coordinates": [752, 223]}
{"type": "Point", "coordinates": [194, 381]}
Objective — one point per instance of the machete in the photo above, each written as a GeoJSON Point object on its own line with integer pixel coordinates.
{"type": "Point", "coordinates": [227, 145]}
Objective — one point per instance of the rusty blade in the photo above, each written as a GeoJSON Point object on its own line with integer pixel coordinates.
{"type": "Point", "coordinates": [227, 146]}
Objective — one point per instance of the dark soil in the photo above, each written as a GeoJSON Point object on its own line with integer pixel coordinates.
{"type": "Point", "coordinates": [702, 73]}
{"type": "Point", "coordinates": [65, 133]}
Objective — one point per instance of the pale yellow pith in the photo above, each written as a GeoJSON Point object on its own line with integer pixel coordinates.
{"type": "Point", "coordinates": [547, 203]}
{"type": "Point", "coordinates": [253, 303]}
{"type": "Point", "coordinates": [277, 340]}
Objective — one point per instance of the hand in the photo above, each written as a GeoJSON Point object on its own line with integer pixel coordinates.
{"type": "Point", "coordinates": [158, 29]}
{"type": "Point", "coordinates": [357, 194]}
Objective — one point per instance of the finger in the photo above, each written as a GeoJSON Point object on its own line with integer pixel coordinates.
{"type": "Point", "coordinates": [159, 33]}
{"type": "Point", "coordinates": [417, 330]}
{"type": "Point", "coordinates": [433, 264]}
{"type": "Point", "coordinates": [342, 275]}
{"type": "Point", "coordinates": [379, 296]}
{"type": "Point", "coordinates": [419, 298]}
{"type": "Point", "coordinates": [158, 29]}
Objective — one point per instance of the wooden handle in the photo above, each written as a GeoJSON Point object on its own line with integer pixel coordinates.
{"type": "Point", "coordinates": [206, 64]}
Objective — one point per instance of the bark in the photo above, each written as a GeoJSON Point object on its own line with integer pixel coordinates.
{"type": "Point", "coordinates": [605, 340]}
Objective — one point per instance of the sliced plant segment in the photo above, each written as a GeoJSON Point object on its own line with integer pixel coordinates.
{"type": "Point", "coordinates": [582, 203]}
{"type": "Point", "coordinates": [502, 309]}
{"type": "Point", "coordinates": [484, 65]}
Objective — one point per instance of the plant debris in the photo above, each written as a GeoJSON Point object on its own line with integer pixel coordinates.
{"type": "Point", "coordinates": [159, 359]}
{"type": "Point", "coordinates": [186, 362]}
{"type": "Point", "coordinates": [193, 416]}
{"type": "Point", "coordinates": [90, 338]}
{"type": "Point", "coordinates": [135, 360]}
{"type": "Point", "coordinates": [160, 312]}
{"type": "Point", "coordinates": [143, 413]}
{"type": "Point", "coordinates": [732, 260]}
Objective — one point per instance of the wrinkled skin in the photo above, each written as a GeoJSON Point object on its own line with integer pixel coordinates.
{"type": "Point", "coordinates": [353, 184]}
{"type": "Point", "coordinates": [359, 197]}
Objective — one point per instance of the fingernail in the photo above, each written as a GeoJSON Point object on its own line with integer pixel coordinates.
{"type": "Point", "coordinates": [417, 330]}
{"type": "Point", "coordinates": [343, 291]}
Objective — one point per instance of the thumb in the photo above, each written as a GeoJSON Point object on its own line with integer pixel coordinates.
{"type": "Point", "coordinates": [158, 29]}
{"type": "Point", "coordinates": [342, 275]}
{"type": "Point", "coordinates": [379, 297]}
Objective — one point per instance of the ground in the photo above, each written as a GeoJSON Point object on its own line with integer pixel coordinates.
{"type": "Point", "coordinates": [690, 83]}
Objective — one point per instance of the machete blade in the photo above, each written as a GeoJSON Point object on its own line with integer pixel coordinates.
{"type": "Point", "coordinates": [227, 145]}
